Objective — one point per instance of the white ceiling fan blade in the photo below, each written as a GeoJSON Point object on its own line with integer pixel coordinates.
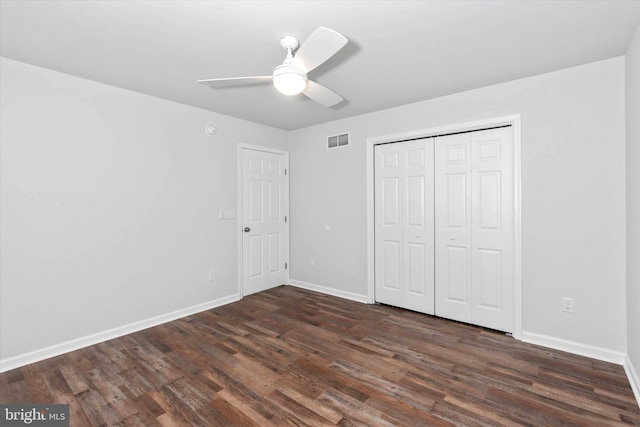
{"type": "Point", "coordinates": [320, 46]}
{"type": "Point", "coordinates": [236, 81]}
{"type": "Point", "coordinates": [321, 94]}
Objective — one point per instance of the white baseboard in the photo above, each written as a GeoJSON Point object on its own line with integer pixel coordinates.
{"type": "Point", "coordinates": [598, 353]}
{"type": "Point", "coordinates": [529, 337]}
{"type": "Point", "coordinates": [329, 291]}
{"type": "Point", "coordinates": [78, 343]}
{"type": "Point", "coordinates": [634, 378]}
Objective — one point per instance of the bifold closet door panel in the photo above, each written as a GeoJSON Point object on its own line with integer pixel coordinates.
{"type": "Point", "coordinates": [404, 224]}
{"type": "Point", "coordinates": [388, 224]}
{"type": "Point", "coordinates": [493, 228]}
{"type": "Point", "coordinates": [474, 208]}
{"type": "Point", "coordinates": [453, 226]}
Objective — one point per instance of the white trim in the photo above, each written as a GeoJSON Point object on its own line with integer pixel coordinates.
{"type": "Point", "coordinates": [329, 291]}
{"type": "Point", "coordinates": [634, 378]}
{"type": "Point", "coordinates": [243, 146]}
{"type": "Point", "coordinates": [517, 226]}
{"type": "Point", "coordinates": [593, 352]}
{"type": "Point", "coordinates": [78, 343]}
{"type": "Point", "coordinates": [371, 263]}
{"type": "Point", "coordinates": [513, 120]}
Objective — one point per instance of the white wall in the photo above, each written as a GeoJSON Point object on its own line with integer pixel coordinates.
{"type": "Point", "coordinates": [109, 202]}
{"type": "Point", "coordinates": [573, 190]}
{"type": "Point", "coordinates": [110, 206]}
{"type": "Point", "coordinates": [633, 204]}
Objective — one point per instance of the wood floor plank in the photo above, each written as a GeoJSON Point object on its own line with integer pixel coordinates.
{"type": "Point", "coordinates": [289, 356]}
{"type": "Point", "coordinates": [36, 385]}
{"type": "Point", "coordinates": [235, 409]}
{"type": "Point", "coordinates": [311, 404]}
{"type": "Point", "coordinates": [73, 378]}
{"type": "Point", "coordinates": [354, 411]}
{"type": "Point", "coordinates": [228, 414]}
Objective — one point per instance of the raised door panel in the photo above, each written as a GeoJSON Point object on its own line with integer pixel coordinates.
{"type": "Point", "coordinates": [391, 201]}
{"type": "Point", "coordinates": [391, 266]}
{"type": "Point", "coordinates": [489, 279]}
{"type": "Point", "coordinates": [255, 200]}
{"type": "Point", "coordinates": [489, 200]}
{"type": "Point", "coordinates": [255, 256]}
{"type": "Point", "coordinates": [276, 263]}
{"type": "Point", "coordinates": [416, 201]}
{"type": "Point", "coordinates": [416, 277]}
{"type": "Point", "coordinates": [455, 201]}
{"type": "Point", "coordinates": [457, 277]}
{"type": "Point", "coordinates": [274, 200]}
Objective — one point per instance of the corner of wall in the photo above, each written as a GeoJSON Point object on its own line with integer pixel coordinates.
{"type": "Point", "coordinates": [632, 191]}
{"type": "Point", "coordinates": [634, 378]}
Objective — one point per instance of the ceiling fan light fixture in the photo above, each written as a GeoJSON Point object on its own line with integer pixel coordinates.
{"type": "Point", "coordinates": [290, 77]}
{"type": "Point", "coordinates": [289, 81]}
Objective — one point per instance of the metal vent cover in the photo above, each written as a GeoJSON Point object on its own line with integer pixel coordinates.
{"type": "Point", "coordinates": [336, 141]}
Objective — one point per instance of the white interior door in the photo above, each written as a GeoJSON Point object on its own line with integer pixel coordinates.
{"type": "Point", "coordinates": [475, 228]}
{"type": "Point", "coordinates": [404, 223]}
{"type": "Point", "coordinates": [265, 241]}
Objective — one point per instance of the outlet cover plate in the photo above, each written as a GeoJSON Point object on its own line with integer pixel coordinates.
{"type": "Point", "coordinates": [567, 305]}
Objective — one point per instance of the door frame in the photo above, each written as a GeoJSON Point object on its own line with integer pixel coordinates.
{"type": "Point", "coordinates": [240, 212]}
{"type": "Point", "coordinates": [514, 121]}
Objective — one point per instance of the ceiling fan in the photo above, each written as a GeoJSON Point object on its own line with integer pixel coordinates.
{"type": "Point", "coordinates": [290, 78]}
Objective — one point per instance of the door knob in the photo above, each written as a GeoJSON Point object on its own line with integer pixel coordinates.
{"type": "Point", "coordinates": [247, 229]}
{"type": "Point", "coordinates": [452, 238]}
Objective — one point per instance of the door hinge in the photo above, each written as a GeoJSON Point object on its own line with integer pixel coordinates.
{"type": "Point", "coordinates": [286, 265]}
{"type": "Point", "coordinates": [285, 171]}
{"type": "Point", "coordinates": [285, 218]}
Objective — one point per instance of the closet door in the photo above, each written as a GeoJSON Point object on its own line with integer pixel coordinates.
{"type": "Point", "coordinates": [404, 221]}
{"type": "Point", "coordinates": [453, 226]}
{"type": "Point", "coordinates": [474, 228]}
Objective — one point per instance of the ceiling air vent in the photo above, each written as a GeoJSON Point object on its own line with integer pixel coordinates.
{"type": "Point", "coordinates": [336, 141]}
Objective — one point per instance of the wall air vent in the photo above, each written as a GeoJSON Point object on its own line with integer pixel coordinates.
{"type": "Point", "coordinates": [336, 141]}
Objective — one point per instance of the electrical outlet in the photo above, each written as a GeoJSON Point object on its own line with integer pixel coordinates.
{"type": "Point", "coordinates": [567, 305]}
{"type": "Point", "coordinates": [312, 262]}
{"type": "Point", "coordinates": [212, 275]}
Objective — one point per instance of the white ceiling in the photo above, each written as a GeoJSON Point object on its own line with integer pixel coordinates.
{"type": "Point", "coordinates": [399, 51]}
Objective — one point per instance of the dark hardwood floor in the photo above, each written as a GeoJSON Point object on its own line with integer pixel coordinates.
{"type": "Point", "coordinates": [289, 356]}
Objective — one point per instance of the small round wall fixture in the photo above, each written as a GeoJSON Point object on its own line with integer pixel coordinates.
{"type": "Point", "coordinates": [210, 130]}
